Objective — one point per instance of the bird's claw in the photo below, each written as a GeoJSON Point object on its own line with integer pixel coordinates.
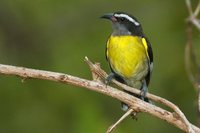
{"type": "Point", "coordinates": [143, 93]}
{"type": "Point", "coordinates": [134, 115]}
{"type": "Point", "coordinates": [109, 78]}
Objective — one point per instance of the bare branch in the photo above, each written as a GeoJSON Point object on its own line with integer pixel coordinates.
{"type": "Point", "coordinates": [111, 128]}
{"type": "Point", "coordinates": [191, 63]}
{"type": "Point", "coordinates": [196, 12]}
{"type": "Point", "coordinates": [96, 69]}
{"type": "Point", "coordinates": [189, 6]}
{"type": "Point", "coordinates": [134, 103]}
{"type": "Point", "coordinates": [192, 15]}
{"type": "Point", "coordinates": [190, 55]}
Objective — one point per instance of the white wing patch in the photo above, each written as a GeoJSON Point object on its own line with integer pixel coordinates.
{"type": "Point", "coordinates": [128, 18]}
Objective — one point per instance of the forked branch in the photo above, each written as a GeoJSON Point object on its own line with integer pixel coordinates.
{"type": "Point", "coordinates": [191, 61]}
{"type": "Point", "coordinates": [95, 85]}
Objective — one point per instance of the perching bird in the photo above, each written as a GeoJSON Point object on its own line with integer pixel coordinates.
{"type": "Point", "coordinates": [129, 53]}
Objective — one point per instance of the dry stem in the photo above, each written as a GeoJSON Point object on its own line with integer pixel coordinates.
{"type": "Point", "coordinates": [190, 53]}
{"type": "Point", "coordinates": [111, 128]}
{"type": "Point", "coordinates": [96, 69]}
{"type": "Point", "coordinates": [134, 103]}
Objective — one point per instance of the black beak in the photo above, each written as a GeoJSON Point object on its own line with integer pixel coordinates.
{"type": "Point", "coordinates": [107, 16]}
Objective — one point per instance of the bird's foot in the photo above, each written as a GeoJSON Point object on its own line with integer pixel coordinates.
{"type": "Point", "coordinates": [125, 108]}
{"type": "Point", "coordinates": [143, 93]}
{"type": "Point", "coordinates": [109, 78]}
{"type": "Point", "coordinates": [134, 115]}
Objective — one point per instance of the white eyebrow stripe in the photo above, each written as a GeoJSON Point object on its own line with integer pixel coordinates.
{"type": "Point", "coordinates": [127, 17]}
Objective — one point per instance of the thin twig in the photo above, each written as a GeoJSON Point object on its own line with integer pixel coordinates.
{"type": "Point", "coordinates": [189, 6]}
{"type": "Point", "coordinates": [191, 61]}
{"type": "Point", "coordinates": [111, 128]}
{"type": "Point", "coordinates": [197, 10]}
{"type": "Point", "coordinates": [192, 16]}
{"type": "Point", "coordinates": [134, 103]}
{"type": "Point", "coordinates": [189, 54]}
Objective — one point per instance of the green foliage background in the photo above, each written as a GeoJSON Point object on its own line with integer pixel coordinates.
{"type": "Point", "coordinates": [57, 35]}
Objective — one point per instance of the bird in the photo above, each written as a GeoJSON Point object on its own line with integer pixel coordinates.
{"type": "Point", "coordinates": [129, 54]}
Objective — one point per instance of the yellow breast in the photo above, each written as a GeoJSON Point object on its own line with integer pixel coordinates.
{"type": "Point", "coordinates": [127, 56]}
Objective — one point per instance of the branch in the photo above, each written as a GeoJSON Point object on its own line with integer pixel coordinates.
{"type": "Point", "coordinates": [191, 61]}
{"type": "Point", "coordinates": [94, 85]}
{"type": "Point", "coordinates": [192, 15]}
{"type": "Point", "coordinates": [190, 53]}
{"type": "Point", "coordinates": [111, 128]}
{"type": "Point", "coordinates": [96, 70]}
{"type": "Point", "coordinates": [196, 12]}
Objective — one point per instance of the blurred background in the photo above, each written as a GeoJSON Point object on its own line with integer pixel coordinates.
{"type": "Point", "coordinates": [57, 35]}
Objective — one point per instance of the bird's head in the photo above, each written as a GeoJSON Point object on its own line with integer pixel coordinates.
{"type": "Point", "coordinates": [124, 24]}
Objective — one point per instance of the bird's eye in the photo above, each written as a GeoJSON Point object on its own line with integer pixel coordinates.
{"type": "Point", "coordinates": [122, 18]}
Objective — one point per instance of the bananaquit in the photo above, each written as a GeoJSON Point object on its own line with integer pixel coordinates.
{"type": "Point", "coordinates": [129, 53]}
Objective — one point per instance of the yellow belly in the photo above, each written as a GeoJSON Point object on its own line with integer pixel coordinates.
{"type": "Point", "coordinates": [127, 56]}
